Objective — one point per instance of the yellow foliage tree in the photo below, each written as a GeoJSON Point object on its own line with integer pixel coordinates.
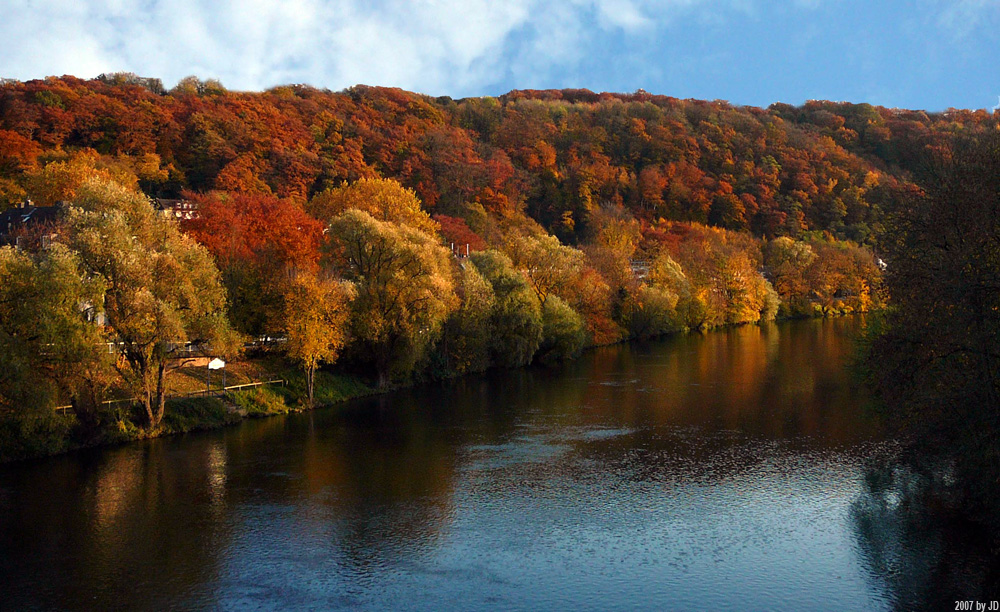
{"type": "Point", "coordinates": [383, 199]}
{"type": "Point", "coordinates": [549, 265]}
{"type": "Point", "coordinates": [315, 317]}
{"type": "Point", "coordinates": [60, 180]}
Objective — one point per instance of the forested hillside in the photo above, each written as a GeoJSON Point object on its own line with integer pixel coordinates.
{"type": "Point", "coordinates": [405, 236]}
{"type": "Point", "coordinates": [557, 155]}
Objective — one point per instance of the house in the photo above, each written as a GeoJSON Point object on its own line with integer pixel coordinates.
{"type": "Point", "coordinates": [27, 220]}
{"type": "Point", "coordinates": [177, 209]}
{"type": "Point", "coordinates": [640, 268]}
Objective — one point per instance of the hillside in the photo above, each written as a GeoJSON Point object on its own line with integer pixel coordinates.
{"type": "Point", "coordinates": [556, 155]}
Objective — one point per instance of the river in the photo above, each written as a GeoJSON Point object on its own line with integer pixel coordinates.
{"type": "Point", "coordinates": [728, 470]}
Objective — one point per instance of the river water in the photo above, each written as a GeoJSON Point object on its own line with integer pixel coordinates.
{"type": "Point", "coordinates": [704, 472]}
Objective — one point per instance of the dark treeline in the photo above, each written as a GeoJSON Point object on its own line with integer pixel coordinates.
{"type": "Point", "coordinates": [404, 237]}
{"type": "Point", "coordinates": [935, 359]}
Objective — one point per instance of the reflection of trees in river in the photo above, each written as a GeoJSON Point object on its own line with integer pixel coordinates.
{"type": "Point", "coordinates": [917, 549]}
{"type": "Point", "coordinates": [112, 528]}
{"type": "Point", "coordinates": [407, 449]}
{"type": "Point", "coordinates": [772, 381]}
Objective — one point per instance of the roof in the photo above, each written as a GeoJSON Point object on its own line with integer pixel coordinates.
{"type": "Point", "coordinates": [26, 214]}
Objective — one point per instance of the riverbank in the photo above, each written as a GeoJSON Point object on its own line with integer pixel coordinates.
{"type": "Point", "coordinates": [39, 435]}
{"type": "Point", "coordinates": [32, 436]}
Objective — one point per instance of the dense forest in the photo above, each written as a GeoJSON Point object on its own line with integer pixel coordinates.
{"type": "Point", "coordinates": [557, 156]}
{"type": "Point", "coordinates": [404, 236]}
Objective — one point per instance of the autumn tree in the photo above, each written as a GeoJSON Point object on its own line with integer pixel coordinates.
{"type": "Point", "coordinates": [161, 288]}
{"type": "Point", "coordinates": [383, 199]}
{"type": "Point", "coordinates": [549, 265]}
{"type": "Point", "coordinates": [787, 262]}
{"type": "Point", "coordinates": [256, 241]}
{"type": "Point", "coordinates": [457, 232]}
{"type": "Point", "coordinates": [18, 156]}
{"type": "Point", "coordinates": [843, 277]}
{"type": "Point", "coordinates": [314, 317]}
{"type": "Point", "coordinates": [723, 269]}
{"type": "Point", "coordinates": [59, 180]}
{"type": "Point", "coordinates": [404, 289]}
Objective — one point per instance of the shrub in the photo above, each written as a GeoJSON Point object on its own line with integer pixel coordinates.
{"type": "Point", "coordinates": [259, 401]}
{"type": "Point", "coordinates": [33, 435]}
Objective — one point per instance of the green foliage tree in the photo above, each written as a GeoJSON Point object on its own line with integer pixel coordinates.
{"type": "Point", "coordinates": [162, 289]}
{"type": "Point", "coordinates": [563, 334]}
{"type": "Point", "coordinates": [516, 317]}
{"type": "Point", "coordinates": [662, 304]}
{"type": "Point", "coordinates": [468, 332]}
{"type": "Point", "coordinates": [652, 312]}
{"type": "Point", "coordinates": [51, 349]}
{"type": "Point", "coordinates": [315, 317]}
{"type": "Point", "coordinates": [404, 289]}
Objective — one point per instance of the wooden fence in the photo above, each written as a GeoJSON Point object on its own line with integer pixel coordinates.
{"type": "Point", "coordinates": [202, 393]}
{"type": "Point", "coordinates": [223, 390]}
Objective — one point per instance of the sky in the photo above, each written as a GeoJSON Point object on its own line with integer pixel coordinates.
{"type": "Point", "coordinates": [918, 54]}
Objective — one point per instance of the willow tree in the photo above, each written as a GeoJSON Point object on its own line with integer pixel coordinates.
{"type": "Point", "coordinates": [51, 350]}
{"type": "Point", "coordinates": [469, 330]}
{"type": "Point", "coordinates": [162, 289]}
{"type": "Point", "coordinates": [516, 315]}
{"type": "Point", "coordinates": [315, 317]}
{"type": "Point", "coordinates": [548, 265]}
{"type": "Point", "coordinates": [404, 289]}
{"type": "Point", "coordinates": [563, 332]}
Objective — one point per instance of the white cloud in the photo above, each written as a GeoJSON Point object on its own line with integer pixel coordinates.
{"type": "Point", "coordinates": [623, 14]}
{"type": "Point", "coordinates": [962, 17]}
{"type": "Point", "coordinates": [456, 47]}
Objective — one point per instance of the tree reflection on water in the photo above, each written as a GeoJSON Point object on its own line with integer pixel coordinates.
{"type": "Point", "coordinates": [915, 543]}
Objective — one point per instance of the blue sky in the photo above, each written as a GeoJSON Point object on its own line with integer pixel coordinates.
{"type": "Point", "coordinates": [925, 54]}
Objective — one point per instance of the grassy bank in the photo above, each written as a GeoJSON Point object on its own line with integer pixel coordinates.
{"type": "Point", "coordinates": [38, 434]}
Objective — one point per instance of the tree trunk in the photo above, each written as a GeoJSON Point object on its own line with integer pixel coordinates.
{"type": "Point", "coordinates": [161, 393]}
{"type": "Point", "coordinates": [147, 403]}
{"type": "Point", "coordinates": [382, 367]}
{"type": "Point", "coordinates": [310, 378]}
{"type": "Point", "coordinates": [85, 407]}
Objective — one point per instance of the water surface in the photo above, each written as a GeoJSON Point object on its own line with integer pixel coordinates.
{"type": "Point", "coordinates": [716, 471]}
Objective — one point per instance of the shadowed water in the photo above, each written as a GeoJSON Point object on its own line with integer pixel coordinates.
{"type": "Point", "coordinates": [717, 471]}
